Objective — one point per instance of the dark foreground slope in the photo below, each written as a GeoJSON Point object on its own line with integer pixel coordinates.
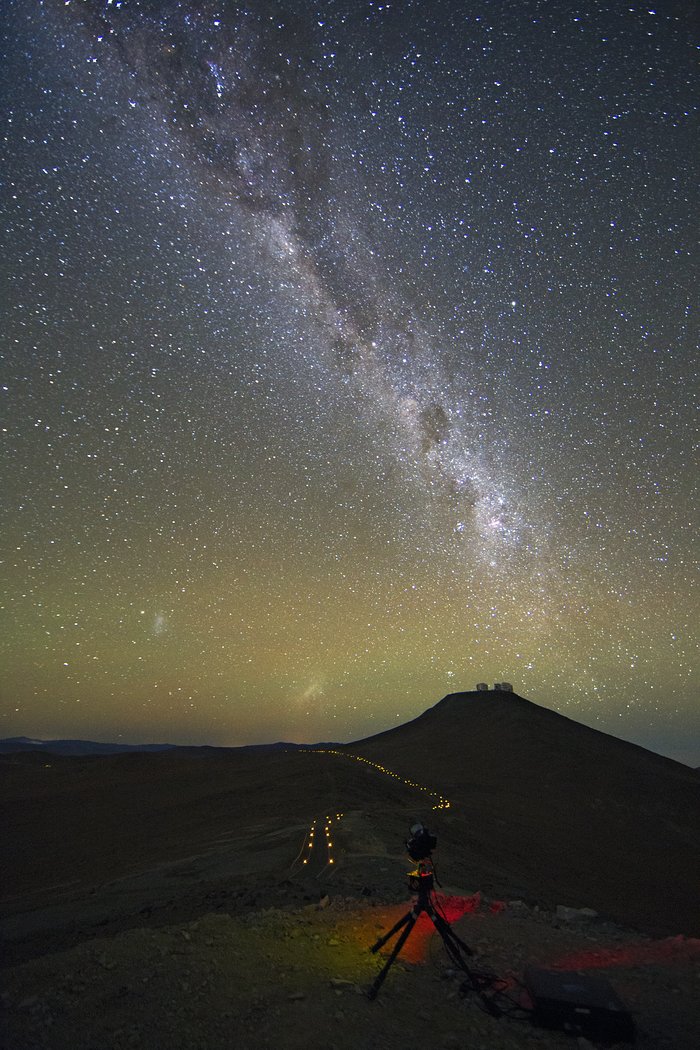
{"type": "Point", "coordinates": [81, 822]}
{"type": "Point", "coordinates": [100, 843]}
{"type": "Point", "coordinates": [551, 809]}
{"type": "Point", "coordinates": [542, 808]}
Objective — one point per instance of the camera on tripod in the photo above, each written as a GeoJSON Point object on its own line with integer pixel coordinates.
{"type": "Point", "coordinates": [420, 845]}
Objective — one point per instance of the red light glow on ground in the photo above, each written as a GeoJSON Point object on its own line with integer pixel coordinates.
{"type": "Point", "coordinates": [416, 948]}
{"type": "Point", "coordinates": [671, 950]}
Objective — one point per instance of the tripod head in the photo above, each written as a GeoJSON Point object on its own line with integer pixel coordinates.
{"type": "Point", "coordinates": [422, 880]}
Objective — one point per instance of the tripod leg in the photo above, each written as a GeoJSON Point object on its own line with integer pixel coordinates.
{"type": "Point", "coordinates": [409, 922]}
{"type": "Point", "coordinates": [394, 929]}
{"type": "Point", "coordinates": [447, 933]}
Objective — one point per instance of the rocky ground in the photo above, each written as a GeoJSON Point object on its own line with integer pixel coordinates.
{"type": "Point", "coordinates": [170, 906]}
{"type": "Point", "coordinates": [298, 977]}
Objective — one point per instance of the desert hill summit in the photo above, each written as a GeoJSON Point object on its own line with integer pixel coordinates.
{"type": "Point", "coordinates": [470, 726]}
{"type": "Point", "coordinates": [564, 809]}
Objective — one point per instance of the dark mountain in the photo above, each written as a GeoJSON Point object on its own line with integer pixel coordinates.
{"type": "Point", "coordinates": [563, 809]}
{"type": "Point", "coordinates": [12, 745]}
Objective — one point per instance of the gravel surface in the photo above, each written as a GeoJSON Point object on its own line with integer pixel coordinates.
{"type": "Point", "coordinates": [298, 977]}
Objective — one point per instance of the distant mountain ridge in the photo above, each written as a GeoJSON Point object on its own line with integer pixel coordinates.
{"type": "Point", "coordinates": [14, 744]}
{"type": "Point", "coordinates": [74, 747]}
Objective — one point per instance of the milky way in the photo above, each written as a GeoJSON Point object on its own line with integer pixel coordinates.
{"type": "Point", "coordinates": [349, 361]}
{"type": "Point", "coordinates": [249, 96]}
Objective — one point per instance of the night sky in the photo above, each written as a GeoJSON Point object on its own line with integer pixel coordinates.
{"type": "Point", "coordinates": [348, 359]}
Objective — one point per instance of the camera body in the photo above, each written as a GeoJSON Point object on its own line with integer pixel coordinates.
{"type": "Point", "coordinates": [421, 843]}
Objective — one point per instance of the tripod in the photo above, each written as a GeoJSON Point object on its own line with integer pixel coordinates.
{"type": "Point", "coordinates": [423, 880]}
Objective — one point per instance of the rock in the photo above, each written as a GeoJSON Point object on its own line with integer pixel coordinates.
{"type": "Point", "coordinates": [566, 914]}
{"type": "Point", "coordinates": [294, 997]}
{"type": "Point", "coordinates": [333, 942]}
{"type": "Point", "coordinates": [517, 907]}
{"type": "Point", "coordinates": [588, 913]}
{"type": "Point", "coordinates": [340, 982]}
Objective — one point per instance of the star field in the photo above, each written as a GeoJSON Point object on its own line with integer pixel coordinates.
{"type": "Point", "coordinates": [349, 358]}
